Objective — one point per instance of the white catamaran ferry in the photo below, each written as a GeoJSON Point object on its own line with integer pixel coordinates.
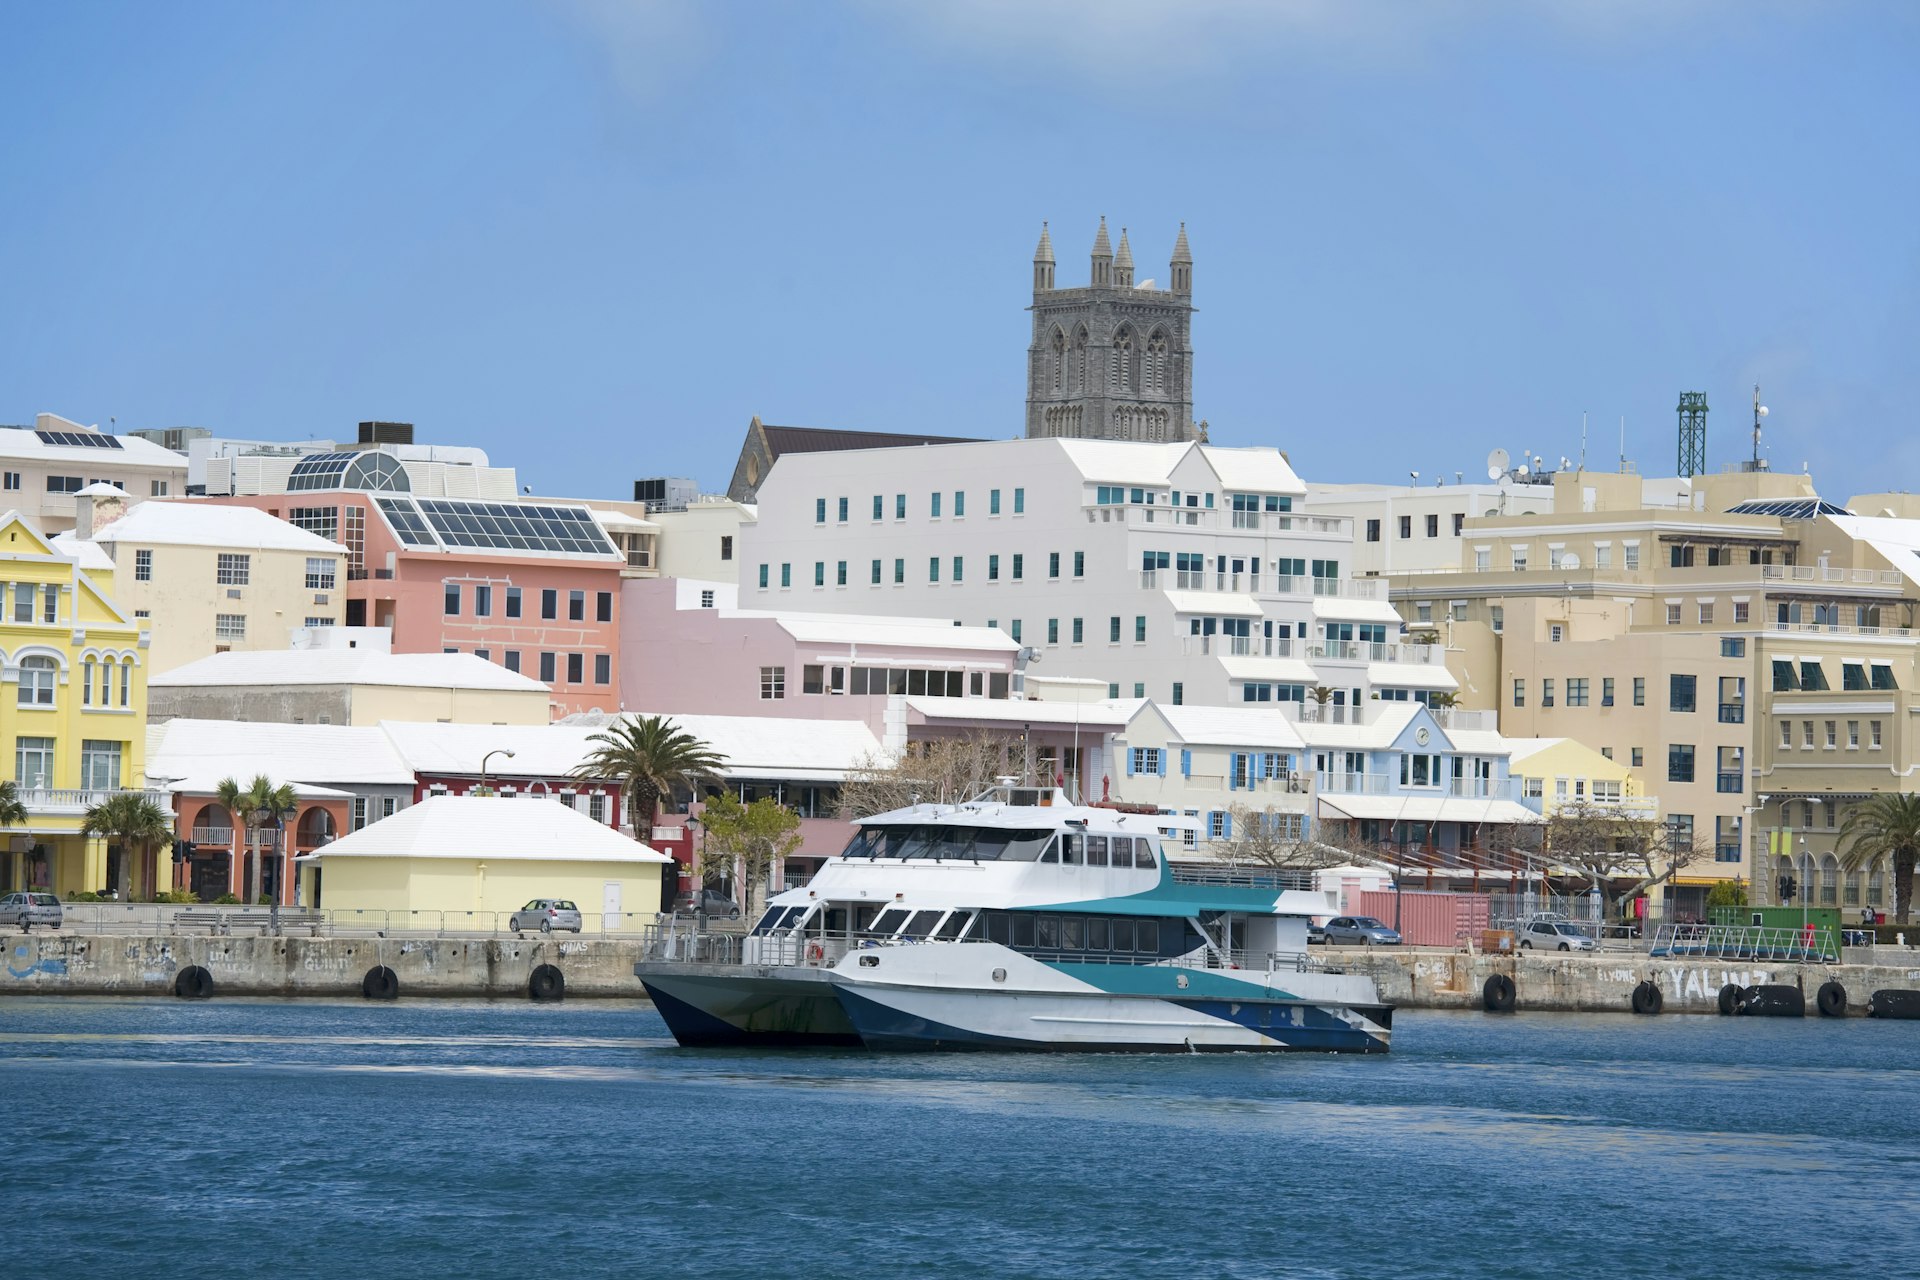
{"type": "Point", "coordinates": [1022, 921]}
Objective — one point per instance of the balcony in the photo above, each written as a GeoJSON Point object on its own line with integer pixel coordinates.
{"type": "Point", "coordinates": [1332, 528]}
{"type": "Point", "coordinates": [1356, 784]}
{"type": "Point", "coordinates": [56, 802]}
{"type": "Point", "coordinates": [1237, 646]}
{"type": "Point", "coordinates": [213, 837]}
{"type": "Point", "coordinates": [1814, 574]}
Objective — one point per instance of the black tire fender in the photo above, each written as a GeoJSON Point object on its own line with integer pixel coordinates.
{"type": "Point", "coordinates": [1647, 998]}
{"type": "Point", "coordinates": [1891, 1003]}
{"type": "Point", "coordinates": [546, 983]}
{"type": "Point", "coordinates": [1732, 996]}
{"type": "Point", "coordinates": [193, 983]}
{"type": "Point", "coordinates": [1775, 1000]}
{"type": "Point", "coordinates": [381, 983]}
{"type": "Point", "coordinates": [1496, 994]}
{"type": "Point", "coordinates": [1831, 999]}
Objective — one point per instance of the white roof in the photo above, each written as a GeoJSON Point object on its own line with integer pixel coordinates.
{"type": "Point", "coordinates": [1233, 727]}
{"type": "Point", "coordinates": [1108, 713]}
{"type": "Point", "coordinates": [102, 489]}
{"type": "Point", "coordinates": [1896, 539]}
{"type": "Point", "coordinates": [1288, 670]}
{"type": "Point", "coordinates": [134, 451]}
{"type": "Point", "coordinates": [346, 667]}
{"type": "Point", "coordinates": [1124, 461]}
{"type": "Point", "coordinates": [621, 522]}
{"type": "Point", "coordinates": [496, 828]}
{"type": "Point", "coordinates": [196, 752]}
{"type": "Point", "coordinates": [545, 750]}
{"type": "Point", "coordinates": [926, 633]}
{"type": "Point", "coordinates": [774, 747]}
{"type": "Point", "coordinates": [1353, 609]}
{"type": "Point", "coordinates": [1261, 467]}
{"type": "Point", "coordinates": [1410, 675]}
{"type": "Point", "coordinates": [1519, 749]}
{"type": "Point", "coordinates": [1425, 809]}
{"type": "Point", "coordinates": [1219, 603]}
{"type": "Point", "coordinates": [82, 551]}
{"type": "Point", "coordinates": [197, 524]}
{"type": "Point", "coordinates": [1380, 733]}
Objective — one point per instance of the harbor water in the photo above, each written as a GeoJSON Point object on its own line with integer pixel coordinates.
{"type": "Point", "coordinates": [322, 1138]}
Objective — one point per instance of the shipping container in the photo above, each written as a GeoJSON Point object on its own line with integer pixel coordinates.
{"type": "Point", "coordinates": [1427, 919]}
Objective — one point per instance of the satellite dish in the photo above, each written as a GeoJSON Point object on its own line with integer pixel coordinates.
{"type": "Point", "coordinates": [1497, 464]}
{"type": "Point", "coordinates": [1523, 468]}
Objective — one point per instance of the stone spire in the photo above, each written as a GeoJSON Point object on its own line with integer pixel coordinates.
{"type": "Point", "coordinates": [1123, 263]}
{"type": "Point", "coordinates": [1043, 261]}
{"type": "Point", "coordinates": [1181, 268]}
{"type": "Point", "coordinates": [1102, 257]}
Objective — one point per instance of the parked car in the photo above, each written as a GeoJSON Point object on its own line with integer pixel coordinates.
{"type": "Point", "coordinates": [710, 901]}
{"type": "Point", "coordinates": [546, 915]}
{"type": "Point", "coordinates": [1364, 930]}
{"type": "Point", "coordinates": [30, 909]}
{"type": "Point", "coordinates": [1555, 935]}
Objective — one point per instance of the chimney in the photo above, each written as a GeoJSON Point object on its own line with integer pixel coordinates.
{"type": "Point", "coordinates": [95, 507]}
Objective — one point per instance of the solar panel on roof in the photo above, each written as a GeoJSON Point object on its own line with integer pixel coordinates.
{"type": "Point", "coordinates": [79, 439]}
{"type": "Point", "coordinates": [407, 523]}
{"type": "Point", "coordinates": [1787, 508]}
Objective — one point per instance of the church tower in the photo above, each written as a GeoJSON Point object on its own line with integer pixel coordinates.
{"type": "Point", "coordinates": [1112, 360]}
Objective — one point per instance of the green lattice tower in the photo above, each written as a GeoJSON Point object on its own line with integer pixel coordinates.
{"type": "Point", "coordinates": [1693, 432]}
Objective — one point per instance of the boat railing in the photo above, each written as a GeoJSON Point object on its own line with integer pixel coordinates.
{"type": "Point", "coordinates": [1276, 878]}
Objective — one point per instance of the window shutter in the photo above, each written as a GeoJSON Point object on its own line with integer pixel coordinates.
{"type": "Point", "coordinates": [1233, 771]}
{"type": "Point", "coordinates": [1128, 752]}
{"type": "Point", "coordinates": [1258, 771]}
{"type": "Point", "coordinates": [1226, 826]}
{"type": "Point", "coordinates": [1160, 761]}
{"type": "Point", "coordinates": [1186, 763]}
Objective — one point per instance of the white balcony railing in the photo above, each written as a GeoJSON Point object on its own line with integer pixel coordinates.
{"type": "Point", "coordinates": [1814, 573]}
{"type": "Point", "coordinates": [72, 800]}
{"type": "Point", "coordinates": [1237, 646]}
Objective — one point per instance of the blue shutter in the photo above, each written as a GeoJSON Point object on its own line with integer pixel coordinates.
{"type": "Point", "coordinates": [1233, 771]}
{"type": "Point", "coordinates": [1226, 826]}
{"type": "Point", "coordinates": [1186, 763]}
{"type": "Point", "coordinates": [1257, 770]}
{"type": "Point", "coordinates": [1160, 761]}
{"type": "Point", "coordinates": [1128, 753]}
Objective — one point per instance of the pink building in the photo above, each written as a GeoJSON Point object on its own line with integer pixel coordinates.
{"type": "Point", "coordinates": [533, 585]}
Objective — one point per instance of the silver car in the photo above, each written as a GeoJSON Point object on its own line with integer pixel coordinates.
{"type": "Point", "coordinates": [1364, 930]}
{"type": "Point", "coordinates": [1556, 935]}
{"type": "Point", "coordinates": [710, 902]}
{"type": "Point", "coordinates": [30, 909]}
{"type": "Point", "coordinates": [546, 915]}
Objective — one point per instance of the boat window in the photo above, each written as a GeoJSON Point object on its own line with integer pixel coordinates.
{"type": "Point", "coordinates": [1022, 939]}
{"type": "Point", "coordinates": [1052, 853]}
{"type": "Point", "coordinates": [1073, 933]}
{"type": "Point", "coordinates": [889, 922]}
{"type": "Point", "coordinates": [955, 844]}
{"type": "Point", "coordinates": [771, 918]}
{"type": "Point", "coordinates": [1143, 854]}
{"type": "Point", "coordinates": [1123, 935]}
{"type": "Point", "coordinates": [953, 926]}
{"type": "Point", "coordinates": [1097, 849]}
{"type": "Point", "coordinates": [998, 928]}
{"type": "Point", "coordinates": [866, 843]}
{"type": "Point", "coordinates": [835, 919]}
{"type": "Point", "coordinates": [1046, 933]}
{"type": "Point", "coordinates": [1099, 934]}
{"type": "Point", "coordinates": [921, 926]}
{"type": "Point", "coordinates": [1149, 936]}
{"type": "Point", "coordinates": [1073, 850]}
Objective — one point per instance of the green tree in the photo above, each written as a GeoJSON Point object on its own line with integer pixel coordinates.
{"type": "Point", "coordinates": [258, 805]}
{"type": "Point", "coordinates": [650, 755]}
{"type": "Point", "coordinates": [133, 822]}
{"type": "Point", "coordinates": [1887, 826]}
{"type": "Point", "coordinates": [756, 837]}
{"type": "Point", "coordinates": [12, 813]}
{"type": "Point", "coordinates": [1727, 893]}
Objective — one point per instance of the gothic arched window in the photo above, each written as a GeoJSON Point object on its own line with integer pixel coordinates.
{"type": "Point", "coordinates": [1059, 349]}
{"type": "Point", "coordinates": [1156, 365]}
{"type": "Point", "coordinates": [1122, 360]}
{"type": "Point", "coordinates": [1080, 360]}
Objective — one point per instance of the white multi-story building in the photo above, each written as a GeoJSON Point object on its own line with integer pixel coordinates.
{"type": "Point", "coordinates": [43, 466]}
{"type": "Point", "coordinates": [1180, 572]}
{"type": "Point", "coordinates": [1408, 528]}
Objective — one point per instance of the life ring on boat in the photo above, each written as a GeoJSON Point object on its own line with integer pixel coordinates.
{"type": "Point", "coordinates": [193, 983]}
{"type": "Point", "coordinates": [815, 953]}
{"type": "Point", "coordinates": [1647, 998]}
{"type": "Point", "coordinates": [547, 983]}
{"type": "Point", "coordinates": [1497, 994]}
{"type": "Point", "coordinates": [1831, 1000]}
{"type": "Point", "coordinates": [381, 983]}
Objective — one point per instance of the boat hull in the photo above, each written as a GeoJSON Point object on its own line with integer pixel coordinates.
{"type": "Point", "coordinates": [733, 1005]}
{"type": "Point", "coordinates": [917, 1000]}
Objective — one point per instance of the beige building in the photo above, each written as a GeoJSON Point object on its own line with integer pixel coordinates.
{"type": "Point", "coordinates": [211, 579]}
{"type": "Point", "coordinates": [347, 675]}
{"type": "Point", "coordinates": [701, 539]}
{"type": "Point", "coordinates": [1679, 640]}
{"type": "Point", "coordinates": [43, 466]}
{"type": "Point", "coordinates": [458, 859]}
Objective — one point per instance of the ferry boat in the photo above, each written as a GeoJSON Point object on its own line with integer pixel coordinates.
{"type": "Point", "coordinates": [1019, 920]}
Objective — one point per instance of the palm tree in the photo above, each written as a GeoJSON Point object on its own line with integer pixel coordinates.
{"type": "Point", "coordinates": [133, 822]}
{"type": "Point", "coordinates": [258, 805]}
{"type": "Point", "coordinates": [651, 755]}
{"type": "Point", "coordinates": [1887, 826]}
{"type": "Point", "coordinates": [12, 813]}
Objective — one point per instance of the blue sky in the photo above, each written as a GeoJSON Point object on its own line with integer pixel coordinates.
{"type": "Point", "coordinates": [595, 237]}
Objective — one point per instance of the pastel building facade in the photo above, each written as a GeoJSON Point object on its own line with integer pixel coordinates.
{"type": "Point", "coordinates": [43, 466]}
{"type": "Point", "coordinates": [1180, 572]}
{"type": "Point", "coordinates": [73, 705]}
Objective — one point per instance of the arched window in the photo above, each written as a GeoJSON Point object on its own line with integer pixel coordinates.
{"type": "Point", "coordinates": [1059, 358]}
{"type": "Point", "coordinates": [1829, 881]}
{"type": "Point", "coordinates": [1122, 360]}
{"type": "Point", "coordinates": [1852, 889]}
{"type": "Point", "coordinates": [86, 682]}
{"type": "Point", "coordinates": [1876, 884]}
{"type": "Point", "coordinates": [38, 674]}
{"type": "Point", "coordinates": [1156, 368]}
{"type": "Point", "coordinates": [126, 684]}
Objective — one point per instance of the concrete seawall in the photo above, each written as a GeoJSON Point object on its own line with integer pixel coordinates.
{"type": "Point", "coordinates": [116, 964]}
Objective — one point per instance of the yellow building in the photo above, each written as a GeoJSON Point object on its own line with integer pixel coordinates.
{"type": "Point", "coordinates": [450, 856]}
{"type": "Point", "coordinates": [75, 716]}
{"type": "Point", "coordinates": [1561, 771]}
{"type": "Point", "coordinates": [211, 579]}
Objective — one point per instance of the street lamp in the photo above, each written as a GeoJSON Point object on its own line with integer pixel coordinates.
{"type": "Point", "coordinates": [497, 751]}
